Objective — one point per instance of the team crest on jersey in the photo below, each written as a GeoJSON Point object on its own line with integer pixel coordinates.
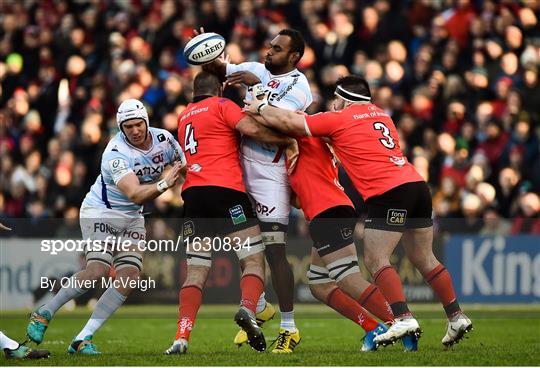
{"type": "Point", "coordinates": [237, 214]}
{"type": "Point", "coordinates": [189, 229]}
{"type": "Point", "coordinates": [396, 217]}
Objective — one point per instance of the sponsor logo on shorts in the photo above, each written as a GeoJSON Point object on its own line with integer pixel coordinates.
{"type": "Point", "coordinates": [346, 232]}
{"type": "Point", "coordinates": [101, 227]}
{"type": "Point", "coordinates": [189, 229]}
{"type": "Point", "coordinates": [396, 217]}
{"type": "Point", "coordinates": [237, 214]}
{"type": "Point", "coordinates": [264, 210]}
{"type": "Point", "coordinates": [195, 168]}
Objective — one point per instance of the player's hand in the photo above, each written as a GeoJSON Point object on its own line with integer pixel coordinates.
{"type": "Point", "coordinates": [200, 31]}
{"type": "Point", "coordinates": [4, 227]}
{"type": "Point", "coordinates": [291, 156]}
{"type": "Point", "coordinates": [252, 106]}
{"type": "Point", "coordinates": [174, 174]}
{"type": "Point", "coordinates": [245, 77]}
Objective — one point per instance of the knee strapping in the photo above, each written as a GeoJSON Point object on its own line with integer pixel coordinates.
{"type": "Point", "coordinates": [254, 245]}
{"type": "Point", "coordinates": [128, 259]}
{"type": "Point", "coordinates": [273, 233]}
{"type": "Point", "coordinates": [199, 259]}
{"type": "Point", "coordinates": [105, 258]}
{"type": "Point", "coordinates": [318, 275]}
{"type": "Point", "coordinates": [343, 267]}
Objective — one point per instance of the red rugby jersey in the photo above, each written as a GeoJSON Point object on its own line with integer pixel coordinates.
{"type": "Point", "coordinates": [366, 142]}
{"type": "Point", "coordinates": [207, 134]}
{"type": "Point", "coordinates": [315, 179]}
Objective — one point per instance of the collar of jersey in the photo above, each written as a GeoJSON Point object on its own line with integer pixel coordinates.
{"type": "Point", "coordinates": [138, 149]}
{"type": "Point", "coordinates": [282, 75]}
{"type": "Point", "coordinates": [201, 97]}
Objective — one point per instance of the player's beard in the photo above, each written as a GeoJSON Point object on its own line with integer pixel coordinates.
{"type": "Point", "coordinates": [273, 67]}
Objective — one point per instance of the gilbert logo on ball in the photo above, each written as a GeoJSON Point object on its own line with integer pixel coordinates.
{"type": "Point", "coordinates": [204, 48]}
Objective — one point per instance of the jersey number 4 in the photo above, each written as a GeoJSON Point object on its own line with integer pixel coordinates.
{"type": "Point", "coordinates": [387, 141]}
{"type": "Point", "coordinates": [190, 143]}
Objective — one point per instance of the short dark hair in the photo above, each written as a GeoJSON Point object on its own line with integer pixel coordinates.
{"type": "Point", "coordinates": [206, 84]}
{"type": "Point", "coordinates": [355, 84]}
{"type": "Point", "coordinates": [297, 41]}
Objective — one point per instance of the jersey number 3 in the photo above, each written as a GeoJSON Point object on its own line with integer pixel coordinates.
{"type": "Point", "coordinates": [190, 143]}
{"type": "Point", "coordinates": [387, 141]}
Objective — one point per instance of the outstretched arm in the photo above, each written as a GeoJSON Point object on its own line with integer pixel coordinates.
{"type": "Point", "coordinates": [254, 129]}
{"type": "Point", "coordinates": [285, 121]}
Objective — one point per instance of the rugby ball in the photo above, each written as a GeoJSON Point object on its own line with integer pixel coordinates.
{"type": "Point", "coordinates": [204, 48]}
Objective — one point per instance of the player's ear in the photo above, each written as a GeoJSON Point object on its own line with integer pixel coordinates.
{"type": "Point", "coordinates": [294, 58]}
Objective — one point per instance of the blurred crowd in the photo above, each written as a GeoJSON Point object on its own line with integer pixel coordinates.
{"type": "Point", "coordinates": [460, 79]}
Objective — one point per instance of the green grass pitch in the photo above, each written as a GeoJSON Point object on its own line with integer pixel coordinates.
{"type": "Point", "coordinates": [138, 335]}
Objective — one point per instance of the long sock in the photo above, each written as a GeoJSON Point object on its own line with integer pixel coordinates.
{"type": "Point", "coordinates": [109, 302]}
{"type": "Point", "coordinates": [287, 321]}
{"type": "Point", "coordinates": [63, 296]}
{"type": "Point", "coordinates": [389, 283]}
{"type": "Point", "coordinates": [190, 299]}
{"type": "Point", "coordinates": [251, 287]}
{"type": "Point", "coordinates": [373, 300]}
{"type": "Point", "coordinates": [7, 343]}
{"type": "Point", "coordinates": [350, 308]}
{"type": "Point", "coordinates": [261, 304]}
{"type": "Point", "coordinates": [440, 281]}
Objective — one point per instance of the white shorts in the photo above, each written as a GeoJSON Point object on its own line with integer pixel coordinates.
{"type": "Point", "coordinates": [268, 187]}
{"type": "Point", "coordinates": [110, 226]}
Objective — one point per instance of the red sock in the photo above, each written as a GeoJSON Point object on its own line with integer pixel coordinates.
{"type": "Point", "coordinates": [373, 300]}
{"type": "Point", "coordinates": [389, 283]}
{"type": "Point", "coordinates": [440, 281]}
{"type": "Point", "coordinates": [251, 287]}
{"type": "Point", "coordinates": [190, 300]}
{"type": "Point", "coordinates": [350, 308]}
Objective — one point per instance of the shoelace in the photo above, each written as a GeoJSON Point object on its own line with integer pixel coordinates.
{"type": "Point", "coordinates": [281, 340]}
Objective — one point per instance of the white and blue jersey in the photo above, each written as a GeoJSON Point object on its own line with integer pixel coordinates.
{"type": "Point", "coordinates": [121, 158]}
{"type": "Point", "coordinates": [288, 91]}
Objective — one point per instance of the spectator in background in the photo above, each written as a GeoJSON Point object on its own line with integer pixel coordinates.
{"type": "Point", "coordinates": [494, 224]}
{"type": "Point", "coordinates": [528, 219]}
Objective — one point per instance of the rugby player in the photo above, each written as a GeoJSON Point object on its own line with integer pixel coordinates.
{"type": "Point", "coordinates": [264, 168]}
{"type": "Point", "coordinates": [216, 204]}
{"type": "Point", "coordinates": [132, 172]}
{"type": "Point", "coordinates": [365, 141]}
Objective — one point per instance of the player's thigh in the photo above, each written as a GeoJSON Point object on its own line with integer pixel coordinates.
{"type": "Point", "coordinates": [269, 190]}
{"type": "Point", "coordinates": [418, 245]}
{"type": "Point", "coordinates": [387, 219]}
{"type": "Point", "coordinates": [421, 214]}
{"type": "Point", "coordinates": [332, 231]}
{"type": "Point", "coordinates": [101, 229]}
{"type": "Point", "coordinates": [235, 222]}
{"type": "Point", "coordinates": [128, 256]}
{"type": "Point", "coordinates": [199, 214]}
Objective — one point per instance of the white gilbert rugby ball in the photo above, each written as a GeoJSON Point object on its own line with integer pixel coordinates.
{"type": "Point", "coordinates": [204, 48]}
